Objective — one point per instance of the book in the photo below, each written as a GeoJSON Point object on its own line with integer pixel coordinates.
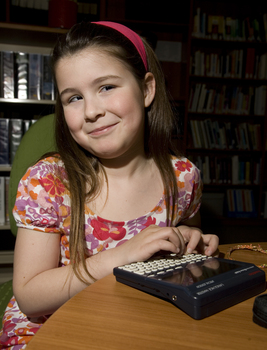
{"type": "Point", "coordinates": [201, 100]}
{"type": "Point", "coordinates": [197, 135]}
{"type": "Point", "coordinates": [204, 134]}
{"type": "Point", "coordinates": [235, 170]}
{"type": "Point", "coordinates": [7, 71]}
{"type": "Point", "coordinates": [35, 73]}
{"type": "Point", "coordinates": [197, 23]}
{"type": "Point", "coordinates": [2, 201]}
{"type": "Point", "coordinates": [228, 28]}
{"type": "Point", "coordinates": [210, 135]}
{"type": "Point", "coordinates": [241, 203]}
{"type": "Point", "coordinates": [7, 219]}
{"type": "Point", "coordinates": [230, 202]}
{"type": "Point", "coordinates": [22, 80]}
{"type": "Point", "coordinates": [249, 60]}
{"type": "Point", "coordinates": [16, 133]}
{"type": "Point", "coordinates": [249, 29]}
{"type": "Point", "coordinates": [4, 141]}
{"type": "Point", "coordinates": [48, 89]}
{"type": "Point", "coordinates": [265, 25]}
{"type": "Point", "coordinates": [262, 67]}
{"type": "Point", "coordinates": [194, 135]}
{"type": "Point", "coordinates": [26, 125]}
{"type": "Point", "coordinates": [215, 27]}
{"type": "Point", "coordinates": [256, 29]}
{"type": "Point", "coordinates": [260, 100]}
{"type": "Point", "coordinates": [191, 97]}
{"type": "Point", "coordinates": [206, 171]}
{"type": "Point", "coordinates": [196, 97]}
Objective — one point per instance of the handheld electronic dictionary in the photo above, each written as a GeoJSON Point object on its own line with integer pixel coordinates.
{"type": "Point", "coordinates": [199, 285]}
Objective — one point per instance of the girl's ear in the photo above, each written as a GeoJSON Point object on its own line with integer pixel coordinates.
{"type": "Point", "coordinates": [149, 89]}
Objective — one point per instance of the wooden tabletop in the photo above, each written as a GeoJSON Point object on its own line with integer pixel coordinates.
{"type": "Point", "coordinates": [109, 315]}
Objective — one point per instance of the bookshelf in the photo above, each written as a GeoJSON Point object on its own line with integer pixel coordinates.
{"type": "Point", "coordinates": [225, 115]}
{"type": "Point", "coordinates": [25, 38]}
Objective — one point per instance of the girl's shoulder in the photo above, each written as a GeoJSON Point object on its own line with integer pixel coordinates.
{"type": "Point", "coordinates": [184, 165]}
{"type": "Point", "coordinates": [48, 165]}
{"type": "Point", "coordinates": [53, 160]}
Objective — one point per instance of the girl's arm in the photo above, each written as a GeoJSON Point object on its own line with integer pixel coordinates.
{"type": "Point", "coordinates": [41, 287]}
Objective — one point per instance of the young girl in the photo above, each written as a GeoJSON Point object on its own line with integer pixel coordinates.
{"type": "Point", "coordinates": [117, 191]}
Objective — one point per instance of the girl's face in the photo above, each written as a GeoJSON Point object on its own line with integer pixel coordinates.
{"type": "Point", "coordinates": [103, 104]}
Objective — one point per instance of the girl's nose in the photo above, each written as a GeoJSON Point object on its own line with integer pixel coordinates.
{"type": "Point", "coordinates": [93, 110]}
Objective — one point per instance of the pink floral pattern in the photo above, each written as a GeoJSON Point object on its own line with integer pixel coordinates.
{"type": "Point", "coordinates": [43, 204]}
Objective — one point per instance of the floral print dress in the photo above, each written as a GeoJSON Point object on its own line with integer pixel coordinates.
{"type": "Point", "coordinates": [43, 204]}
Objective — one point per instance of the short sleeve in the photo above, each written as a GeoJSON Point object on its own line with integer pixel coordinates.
{"type": "Point", "coordinates": [42, 201]}
{"type": "Point", "coordinates": [189, 188]}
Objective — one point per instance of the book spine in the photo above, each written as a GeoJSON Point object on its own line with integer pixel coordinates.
{"type": "Point", "coordinates": [7, 219]}
{"type": "Point", "coordinates": [48, 88]}
{"type": "Point", "coordinates": [2, 200]}
{"type": "Point", "coordinates": [8, 74]}
{"type": "Point", "coordinates": [4, 141]}
{"type": "Point", "coordinates": [16, 133]}
{"type": "Point", "coordinates": [35, 75]}
{"type": "Point", "coordinates": [22, 83]}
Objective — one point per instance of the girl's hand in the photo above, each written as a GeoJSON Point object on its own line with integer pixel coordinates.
{"type": "Point", "coordinates": [152, 240]}
{"type": "Point", "coordinates": [196, 241]}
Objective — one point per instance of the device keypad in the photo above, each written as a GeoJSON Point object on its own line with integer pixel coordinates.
{"type": "Point", "coordinates": [156, 266]}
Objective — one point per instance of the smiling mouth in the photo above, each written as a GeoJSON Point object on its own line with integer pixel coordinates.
{"type": "Point", "coordinates": [102, 130]}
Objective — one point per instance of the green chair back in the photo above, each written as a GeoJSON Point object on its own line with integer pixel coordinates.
{"type": "Point", "coordinates": [38, 140]}
{"type": "Point", "coordinates": [6, 292]}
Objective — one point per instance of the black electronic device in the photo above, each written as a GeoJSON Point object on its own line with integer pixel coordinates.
{"type": "Point", "coordinates": [199, 285]}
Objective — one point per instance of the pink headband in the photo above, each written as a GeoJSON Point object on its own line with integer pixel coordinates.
{"type": "Point", "coordinates": [131, 35]}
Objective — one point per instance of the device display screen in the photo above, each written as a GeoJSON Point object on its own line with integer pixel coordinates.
{"type": "Point", "coordinates": [195, 272]}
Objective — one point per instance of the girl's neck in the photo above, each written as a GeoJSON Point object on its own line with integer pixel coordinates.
{"type": "Point", "coordinates": [133, 189]}
{"type": "Point", "coordinates": [126, 167]}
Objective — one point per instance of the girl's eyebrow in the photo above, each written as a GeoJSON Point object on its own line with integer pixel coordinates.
{"type": "Point", "coordinates": [94, 82]}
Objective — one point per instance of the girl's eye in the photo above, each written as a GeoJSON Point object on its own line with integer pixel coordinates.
{"type": "Point", "coordinates": [75, 98]}
{"type": "Point", "coordinates": [107, 87]}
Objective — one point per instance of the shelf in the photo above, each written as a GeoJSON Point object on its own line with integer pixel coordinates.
{"type": "Point", "coordinates": [200, 41]}
{"type": "Point", "coordinates": [219, 150]}
{"type": "Point", "coordinates": [241, 221]}
{"type": "Point", "coordinates": [27, 101]}
{"type": "Point", "coordinates": [33, 28]}
{"type": "Point", "coordinates": [230, 115]}
{"type": "Point", "coordinates": [6, 257]}
{"type": "Point", "coordinates": [213, 186]}
{"type": "Point", "coordinates": [222, 79]}
{"type": "Point", "coordinates": [130, 22]}
{"type": "Point", "coordinates": [29, 35]}
{"type": "Point", "coordinates": [4, 227]}
{"type": "Point", "coordinates": [5, 168]}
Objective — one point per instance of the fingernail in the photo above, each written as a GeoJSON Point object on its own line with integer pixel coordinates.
{"type": "Point", "coordinates": [189, 250]}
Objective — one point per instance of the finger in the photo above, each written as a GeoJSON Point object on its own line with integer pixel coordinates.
{"type": "Point", "coordinates": [182, 245]}
{"type": "Point", "coordinates": [211, 242]}
{"type": "Point", "coordinates": [195, 241]}
{"type": "Point", "coordinates": [175, 240]}
{"type": "Point", "coordinates": [157, 246]}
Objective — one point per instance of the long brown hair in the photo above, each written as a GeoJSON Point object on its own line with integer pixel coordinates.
{"type": "Point", "coordinates": [83, 168]}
